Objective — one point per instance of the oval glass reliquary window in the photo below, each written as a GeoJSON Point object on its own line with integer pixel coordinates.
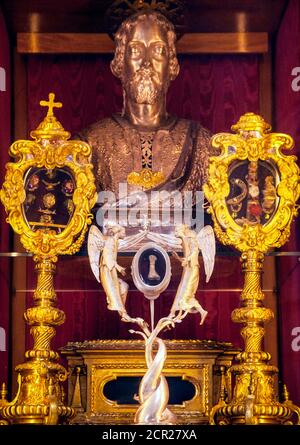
{"type": "Point", "coordinates": [253, 197]}
{"type": "Point", "coordinates": [49, 198]}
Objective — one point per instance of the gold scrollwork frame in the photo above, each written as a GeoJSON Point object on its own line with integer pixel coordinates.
{"type": "Point", "coordinates": [33, 154]}
{"type": "Point", "coordinates": [254, 398]}
{"type": "Point", "coordinates": [266, 147]}
{"type": "Point", "coordinates": [40, 397]}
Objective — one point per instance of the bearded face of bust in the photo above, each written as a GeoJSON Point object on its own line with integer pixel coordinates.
{"type": "Point", "coordinates": [145, 58]}
{"type": "Point", "coordinates": [146, 65]}
{"type": "Point", "coordinates": [144, 146]}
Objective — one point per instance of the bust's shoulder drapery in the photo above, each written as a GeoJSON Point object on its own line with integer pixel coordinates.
{"type": "Point", "coordinates": [180, 150]}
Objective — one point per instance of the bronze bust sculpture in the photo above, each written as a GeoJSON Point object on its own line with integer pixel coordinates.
{"type": "Point", "coordinates": [144, 145]}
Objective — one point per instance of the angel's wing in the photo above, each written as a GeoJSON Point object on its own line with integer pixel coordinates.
{"type": "Point", "coordinates": [130, 241]}
{"type": "Point", "coordinates": [95, 244]}
{"type": "Point", "coordinates": [170, 242]}
{"type": "Point", "coordinates": [207, 245]}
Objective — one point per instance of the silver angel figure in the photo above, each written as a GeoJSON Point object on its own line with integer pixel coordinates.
{"type": "Point", "coordinates": [190, 242]}
{"type": "Point", "coordinates": [153, 391]}
{"type": "Point", "coordinates": [103, 251]}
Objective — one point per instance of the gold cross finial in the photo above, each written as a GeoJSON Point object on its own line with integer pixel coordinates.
{"type": "Point", "coordinates": [50, 104]}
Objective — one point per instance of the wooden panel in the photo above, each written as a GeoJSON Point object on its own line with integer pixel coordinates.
{"type": "Point", "coordinates": [35, 43]}
{"type": "Point", "coordinates": [213, 43]}
{"type": "Point", "coordinates": [86, 16]}
{"type": "Point", "coordinates": [216, 43]}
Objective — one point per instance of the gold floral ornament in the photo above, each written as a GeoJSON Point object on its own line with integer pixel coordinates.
{"type": "Point", "coordinates": [253, 188]}
{"type": "Point", "coordinates": [48, 194]}
{"type": "Point", "coordinates": [146, 179]}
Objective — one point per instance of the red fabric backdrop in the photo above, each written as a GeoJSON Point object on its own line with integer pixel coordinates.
{"type": "Point", "coordinates": [214, 90]}
{"type": "Point", "coordinates": [288, 121]}
{"type": "Point", "coordinates": [5, 100]}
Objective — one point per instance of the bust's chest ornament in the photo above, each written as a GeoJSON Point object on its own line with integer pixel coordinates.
{"type": "Point", "coordinates": [146, 178]}
{"type": "Point", "coordinates": [155, 165]}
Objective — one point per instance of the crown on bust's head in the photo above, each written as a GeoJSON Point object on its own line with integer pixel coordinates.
{"type": "Point", "coordinates": [120, 10]}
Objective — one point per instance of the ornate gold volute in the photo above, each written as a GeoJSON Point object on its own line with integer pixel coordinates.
{"type": "Point", "coordinates": [252, 189]}
{"type": "Point", "coordinates": [48, 194]}
{"type": "Point", "coordinates": [49, 191]}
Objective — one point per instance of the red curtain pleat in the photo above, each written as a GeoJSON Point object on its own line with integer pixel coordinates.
{"type": "Point", "coordinates": [5, 128]}
{"type": "Point", "coordinates": [287, 102]}
{"type": "Point", "coordinates": [215, 90]}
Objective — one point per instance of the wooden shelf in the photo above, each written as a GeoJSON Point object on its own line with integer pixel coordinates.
{"type": "Point", "coordinates": [196, 43]}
